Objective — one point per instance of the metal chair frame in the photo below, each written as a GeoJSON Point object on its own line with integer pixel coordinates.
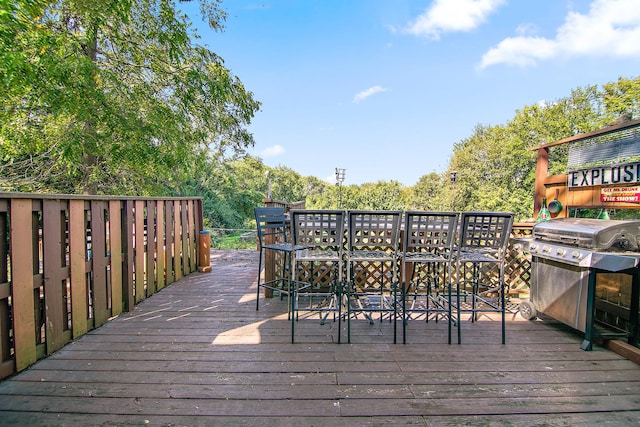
{"type": "Point", "coordinates": [427, 254]}
{"type": "Point", "coordinates": [372, 241]}
{"type": "Point", "coordinates": [272, 235]}
{"type": "Point", "coordinates": [483, 241]}
{"type": "Point", "coordinates": [321, 233]}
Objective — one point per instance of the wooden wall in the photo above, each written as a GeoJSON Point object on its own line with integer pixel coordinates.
{"type": "Point", "coordinates": [555, 186]}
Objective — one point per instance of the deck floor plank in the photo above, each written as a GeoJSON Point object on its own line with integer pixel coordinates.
{"type": "Point", "coordinates": [198, 353]}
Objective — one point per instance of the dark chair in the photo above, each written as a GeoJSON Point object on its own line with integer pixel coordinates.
{"type": "Point", "coordinates": [272, 238]}
{"type": "Point", "coordinates": [318, 268]}
{"type": "Point", "coordinates": [428, 247]}
{"type": "Point", "coordinates": [480, 262]}
{"type": "Point", "coordinates": [372, 259]}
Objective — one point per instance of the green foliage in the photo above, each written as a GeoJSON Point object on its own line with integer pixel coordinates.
{"type": "Point", "coordinates": [495, 166]}
{"type": "Point", "coordinates": [428, 194]}
{"type": "Point", "coordinates": [116, 97]}
{"type": "Point", "coordinates": [380, 196]}
{"type": "Point", "coordinates": [113, 97]}
{"type": "Point", "coordinates": [286, 184]}
{"type": "Point", "coordinates": [622, 98]}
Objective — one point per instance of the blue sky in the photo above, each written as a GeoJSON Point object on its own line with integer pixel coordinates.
{"type": "Point", "coordinates": [385, 88]}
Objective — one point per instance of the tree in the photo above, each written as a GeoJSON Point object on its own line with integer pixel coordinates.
{"type": "Point", "coordinates": [622, 97]}
{"type": "Point", "coordinates": [286, 184]}
{"type": "Point", "coordinates": [381, 195]}
{"type": "Point", "coordinates": [495, 166]}
{"type": "Point", "coordinates": [426, 194]}
{"type": "Point", "coordinates": [113, 97]}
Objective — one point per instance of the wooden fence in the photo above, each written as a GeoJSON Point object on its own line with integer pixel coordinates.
{"type": "Point", "coordinates": [69, 263]}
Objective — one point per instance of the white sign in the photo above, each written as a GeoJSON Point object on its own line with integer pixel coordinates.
{"type": "Point", "coordinates": [620, 194]}
{"type": "Point", "coordinates": [621, 174]}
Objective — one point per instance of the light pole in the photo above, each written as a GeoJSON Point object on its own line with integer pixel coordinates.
{"type": "Point", "coordinates": [340, 175]}
{"type": "Point", "coordinates": [453, 176]}
{"type": "Point", "coordinates": [266, 174]}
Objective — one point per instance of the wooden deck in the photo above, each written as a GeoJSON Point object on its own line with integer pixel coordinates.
{"type": "Point", "coordinates": [197, 353]}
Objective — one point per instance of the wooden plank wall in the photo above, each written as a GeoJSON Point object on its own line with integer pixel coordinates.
{"type": "Point", "coordinates": [69, 263]}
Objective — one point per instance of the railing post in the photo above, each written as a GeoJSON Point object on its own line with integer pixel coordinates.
{"type": "Point", "coordinates": [127, 239]}
{"type": "Point", "coordinates": [150, 247]}
{"type": "Point", "coordinates": [77, 244]}
{"type": "Point", "coordinates": [161, 252]}
{"type": "Point", "coordinates": [204, 254]}
{"type": "Point", "coordinates": [115, 254]}
{"type": "Point", "coordinates": [21, 248]}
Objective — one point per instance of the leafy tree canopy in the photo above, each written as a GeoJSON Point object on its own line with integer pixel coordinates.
{"type": "Point", "coordinates": [113, 97]}
{"type": "Point", "coordinates": [117, 97]}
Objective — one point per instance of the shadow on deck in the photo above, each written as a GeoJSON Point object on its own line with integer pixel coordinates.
{"type": "Point", "coordinates": [198, 353]}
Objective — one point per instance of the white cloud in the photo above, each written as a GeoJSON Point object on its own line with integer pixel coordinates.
{"type": "Point", "coordinates": [611, 28]}
{"type": "Point", "coordinates": [360, 96]}
{"type": "Point", "coordinates": [331, 179]}
{"type": "Point", "coordinates": [451, 16]}
{"type": "Point", "coordinates": [273, 151]}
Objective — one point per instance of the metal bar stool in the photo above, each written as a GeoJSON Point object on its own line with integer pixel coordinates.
{"type": "Point", "coordinates": [427, 254]}
{"type": "Point", "coordinates": [318, 268]}
{"type": "Point", "coordinates": [372, 259]}
{"type": "Point", "coordinates": [272, 236]}
{"type": "Point", "coordinates": [480, 259]}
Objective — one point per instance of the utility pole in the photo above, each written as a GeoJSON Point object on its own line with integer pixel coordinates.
{"type": "Point", "coordinates": [340, 175]}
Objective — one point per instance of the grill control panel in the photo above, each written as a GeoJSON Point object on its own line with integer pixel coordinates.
{"type": "Point", "coordinates": [580, 257]}
{"type": "Point", "coordinates": [568, 255]}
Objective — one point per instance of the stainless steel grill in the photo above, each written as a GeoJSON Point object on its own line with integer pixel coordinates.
{"type": "Point", "coordinates": [592, 243]}
{"type": "Point", "coordinates": [566, 255]}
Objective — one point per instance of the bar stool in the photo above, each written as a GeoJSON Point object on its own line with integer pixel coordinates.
{"type": "Point", "coordinates": [272, 236]}
{"type": "Point", "coordinates": [318, 268]}
{"type": "Point", "coordinates": [480, 259]}
{"type": "Point", "coordinates": [427, 254]}
{"type": "Point", "coordinates": [372, 259]}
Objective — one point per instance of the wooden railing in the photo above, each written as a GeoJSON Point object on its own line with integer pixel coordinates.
{"type": "Point", "coordinates": [69, 263]}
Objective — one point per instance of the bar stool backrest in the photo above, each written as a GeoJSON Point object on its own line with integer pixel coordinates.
{"type": "Point", "coordinates": [318, 228]}
{"type": "Point", "coordinates": [433, 232]}
{"type": "Point", "coordinates": [485, 232]}
{"type": "Point", "coordinates": [271, 225]}
{"type": "Point", "coordinates": [374, 230]}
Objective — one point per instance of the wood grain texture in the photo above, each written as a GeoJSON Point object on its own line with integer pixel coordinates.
{"type": "Point", "coordinates": [198, 353]}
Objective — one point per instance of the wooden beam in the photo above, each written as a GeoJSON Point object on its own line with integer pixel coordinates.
{"type": "Point", "coordinates": [77, 241]}
{"type": "Point", "coordinates": [21, 247]}
{"type": "Point", "coordinates": [115, 255]}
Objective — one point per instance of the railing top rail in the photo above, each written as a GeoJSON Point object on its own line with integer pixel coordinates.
{"type": "Point", "coordinates": [17, 195]}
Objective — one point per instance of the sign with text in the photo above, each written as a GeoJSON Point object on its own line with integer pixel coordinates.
{"type": "Point", "coordinates": [621, 174]}
{"type": "Point", "coordinates": [620, 194]}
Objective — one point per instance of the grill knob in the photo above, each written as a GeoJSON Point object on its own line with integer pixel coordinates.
{"type": "Point", "coordinates": [576, 254]}
{"type": "Point", "coordinates": [533, 247]}
{"type": "Point", "coordinates": [561, 251]}
{"type": "Point", "coordinates": [546, 249]}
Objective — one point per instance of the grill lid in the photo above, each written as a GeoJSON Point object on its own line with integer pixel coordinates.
{"type": "Point", "coordinates": [595, 234]}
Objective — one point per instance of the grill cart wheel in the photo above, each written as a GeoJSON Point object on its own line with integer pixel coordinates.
{"type": "Point", "coordinates": [527, 310]}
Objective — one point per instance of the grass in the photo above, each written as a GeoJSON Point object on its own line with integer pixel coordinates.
{"type": "Point", "coordinates": [235, 240]}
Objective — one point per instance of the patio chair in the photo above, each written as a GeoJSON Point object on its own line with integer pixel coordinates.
{"type": "Point", "coordinates": [427, 254]}
{"type": "Point", "coordinates": [480, 260]}
{"type": "Point", "coordinates": [318, 267]}
{"type": "Point", "coordinates": [372, 260]}
{"type": "Point", "coordinates": [272, 237]}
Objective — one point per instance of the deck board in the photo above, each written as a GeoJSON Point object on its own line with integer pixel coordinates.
{"type": "Point", "coordinates": [198, 353]}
